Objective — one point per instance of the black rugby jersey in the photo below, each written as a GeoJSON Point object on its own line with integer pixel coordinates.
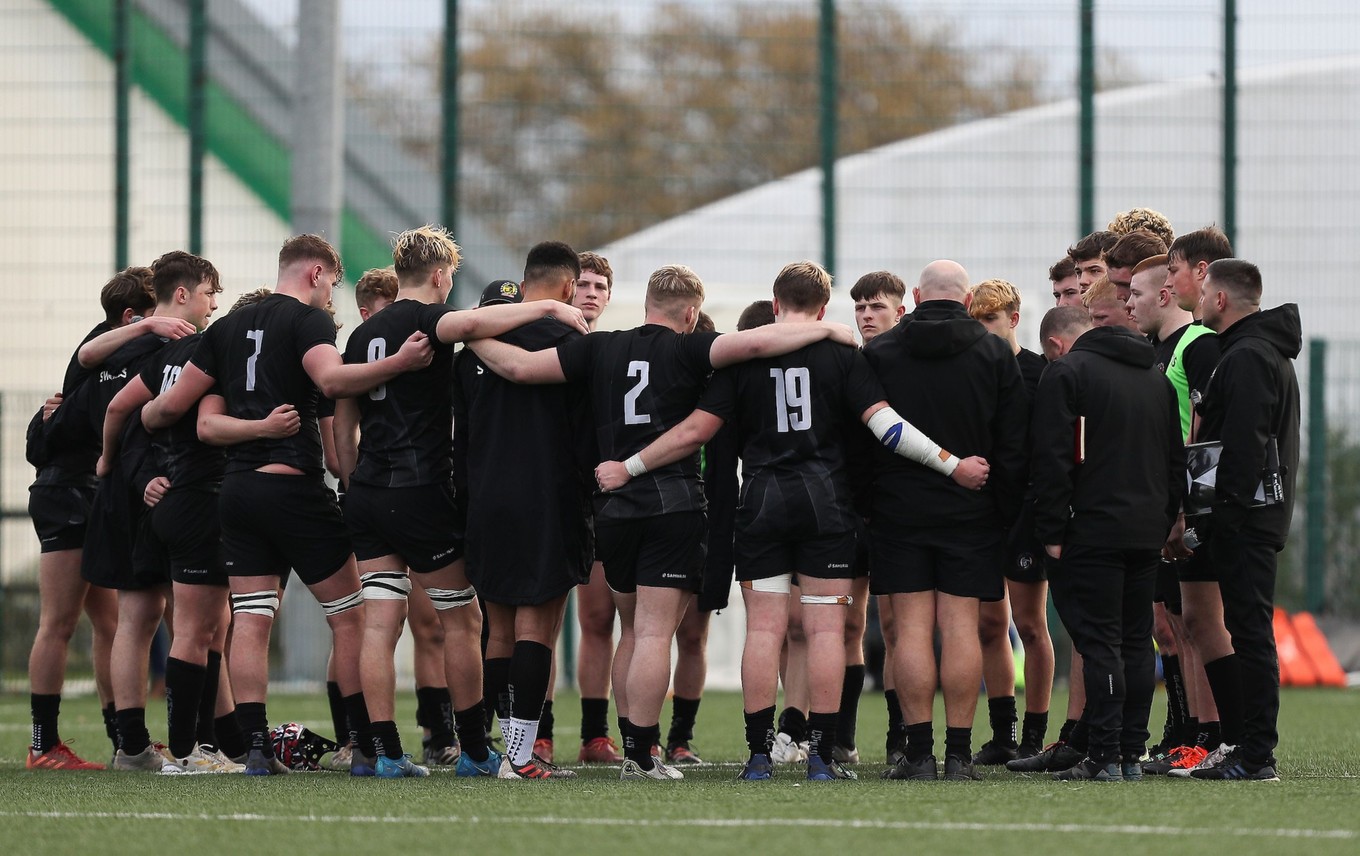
{"type": "Point", "coordinates": [406, 426]}
{"type": "Point", "coordinates": [255, 355]}
{"type": "Point", "coordinates": [183, 458]}
{"type": "Point", "coordinates": [642, 383]}
{"type": "Point", "coordinates": [1032, 367]}
{"type": "Point", "coordinates": [527, 453]}
{"type": "Point", "coordinates": [794, 415]}
{"type": "Point", "coordinates": [76, 429]}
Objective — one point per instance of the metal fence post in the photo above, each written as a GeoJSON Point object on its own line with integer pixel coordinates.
{"type": "Point", "coordinates": [1086, 125]}
{"type": "Point", "coordinates": [122, 105]}
{"type": "Point", "coordinates": [1315, 516]}
{"type": "Point", "coordinates": [449, 153]}
{"type": "Point", "coordinates": [1230, 120]}
{"type": "Point", "coordinates": [198, 118]}
{"type": "Point", "coordinates": [826, 50]}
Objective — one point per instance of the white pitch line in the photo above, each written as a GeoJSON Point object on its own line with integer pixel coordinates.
{"type": "Point", "coordinates": [707, 822]}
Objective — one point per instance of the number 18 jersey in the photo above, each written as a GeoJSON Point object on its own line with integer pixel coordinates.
{"type": "Point", "coordinates": [642, 383]}
{"type": "Point", "coordinates": [255, 355]}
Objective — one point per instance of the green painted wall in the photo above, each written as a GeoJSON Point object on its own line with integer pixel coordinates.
{"type": "Point", "coordinates": [259, 159]}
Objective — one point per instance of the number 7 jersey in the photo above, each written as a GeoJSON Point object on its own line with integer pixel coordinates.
{"type": "Point", "coordinates": [642, 383]}
{"type": "Point", "coordinates": [255, 355]}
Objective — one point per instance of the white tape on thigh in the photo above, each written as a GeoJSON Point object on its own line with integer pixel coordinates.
{"type": "Point", "coordinates": [342, 604]}
{"type": "Point", "coordinates": [451, 598]}
{"type": "Point", "coordinates": [774, 585]}
{"type": "Point", "coordinates": [264, 603]}
{"type": "Point", "coordinates": [385, 585]}
{"type": "Point", "coordinates": [830, 599]}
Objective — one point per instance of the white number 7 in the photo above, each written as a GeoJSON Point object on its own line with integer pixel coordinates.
{"type": "Point", "coordinates": [256, 336]}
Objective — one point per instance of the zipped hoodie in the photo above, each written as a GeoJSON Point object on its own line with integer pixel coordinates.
{"type": "Point", "coordinates": [1126, 492]}
{"type": "Point", "coordinates": [1253, 396]}
{"type": "Point", "coordinates": [961, 386]}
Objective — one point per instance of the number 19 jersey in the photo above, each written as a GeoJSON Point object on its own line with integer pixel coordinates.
{"type": "Point", "coordinates": [255, 355]}
{"type": "Point", "coordinates": [793, 415]}
{"type": "Point", "coordinates": [642, 383]}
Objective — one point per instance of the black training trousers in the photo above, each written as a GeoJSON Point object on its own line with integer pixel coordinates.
{"type": "Point", "coordinates": [1104, 597]}
{"type": "Point", "coordinates": [1246, 569]}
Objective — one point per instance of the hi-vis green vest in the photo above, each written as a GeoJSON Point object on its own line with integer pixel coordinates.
{"type": "Point", "coordinates": [1175, 372]}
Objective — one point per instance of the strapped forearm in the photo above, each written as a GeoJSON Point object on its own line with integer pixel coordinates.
{"type": "Point", "coordinates": [902, 438]}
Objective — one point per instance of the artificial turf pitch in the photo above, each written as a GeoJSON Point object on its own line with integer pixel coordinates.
{"type": "Point", "coordinates": [1314, 809]}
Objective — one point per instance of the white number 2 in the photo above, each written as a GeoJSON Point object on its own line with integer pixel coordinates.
{"type": "Point", "coordinates": [256, 336]}
{"type": "Point", "coordinates": [377, 349]}
{"type": "Point", "coordinates": [792, 399]}
{"type": "Point", "coordinates": [641, 370]}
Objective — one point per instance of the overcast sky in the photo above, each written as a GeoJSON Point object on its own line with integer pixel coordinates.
{"type": "Point", "coordinates": [1161, 39]}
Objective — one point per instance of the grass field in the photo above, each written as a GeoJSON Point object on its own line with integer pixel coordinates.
{"type": "Point", "coordinates": [1315, 809]}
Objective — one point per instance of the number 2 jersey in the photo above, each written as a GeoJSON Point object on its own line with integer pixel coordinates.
{"type": "Point", "coordinates": [642, 383]}
{"type": "Point", "coordinates": [255, 355]}
{"type": "Point", "coordinates": [406, 427]}
{"type": "Point", "coordinates": [793, 416]}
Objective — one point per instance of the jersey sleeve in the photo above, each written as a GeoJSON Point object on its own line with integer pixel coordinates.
{"type": "Point", "coordinates": [428, 320]}
{"type": "Point", "coordinates": [720, 398]}
{"type": "Point", "coordinates": [695, 349]}
{"type": "Point", "coordinates": [206, 355]}
{"type": "Point", "coordinates": [152, 371]}
{"type": "Point", "coordinates": [862, 387]}
{"type": "Point", "coordinates": [314, 327]}
{"type": "Point", "coordinates": [577, 356]}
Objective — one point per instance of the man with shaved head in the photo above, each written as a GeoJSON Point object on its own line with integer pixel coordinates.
{"type": "Point", "coordinates": [937, 548]}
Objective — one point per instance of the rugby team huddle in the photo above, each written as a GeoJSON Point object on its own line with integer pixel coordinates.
{"type": "Point", "coordinates": [941, 467]}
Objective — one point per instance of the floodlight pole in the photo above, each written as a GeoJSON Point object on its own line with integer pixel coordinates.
{"type": "Point", "coordinates": [318, 122]}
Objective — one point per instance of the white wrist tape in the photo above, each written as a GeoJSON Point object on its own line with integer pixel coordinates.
{"type": "Point", "coordinates": [901, 437]}
{"type": "Point", "coordinates": [634, 466]}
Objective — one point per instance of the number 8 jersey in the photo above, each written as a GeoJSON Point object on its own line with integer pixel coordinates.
{"type": "Point", "coordinates": [255, 355]}
{"type": "Point", "coordinates": [642, 383]}
{"type": "Point", "coordinates": [406, 432]}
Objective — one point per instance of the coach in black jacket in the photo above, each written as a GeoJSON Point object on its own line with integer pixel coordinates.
{"type": "Point", "coordinates": [936, 548]}
{"type": "Point", "coordinates": [1250, 405]}
{"type": "Point", "coordinates": [1108, 475]}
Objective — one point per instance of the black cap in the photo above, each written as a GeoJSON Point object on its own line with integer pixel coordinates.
{"type": "Point", "coordinates": [501, 291]}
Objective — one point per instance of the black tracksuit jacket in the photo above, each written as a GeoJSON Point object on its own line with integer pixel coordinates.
{"type": "Point", "coordinates": [1253, 396]}
{"type": "Point", "coordinates": [1127, 492]}
{"type": "Point", "coordinates": [960, 385]}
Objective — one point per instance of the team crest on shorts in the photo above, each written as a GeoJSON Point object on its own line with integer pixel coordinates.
{"type": "Point", "coordinates": [1025, 561]}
